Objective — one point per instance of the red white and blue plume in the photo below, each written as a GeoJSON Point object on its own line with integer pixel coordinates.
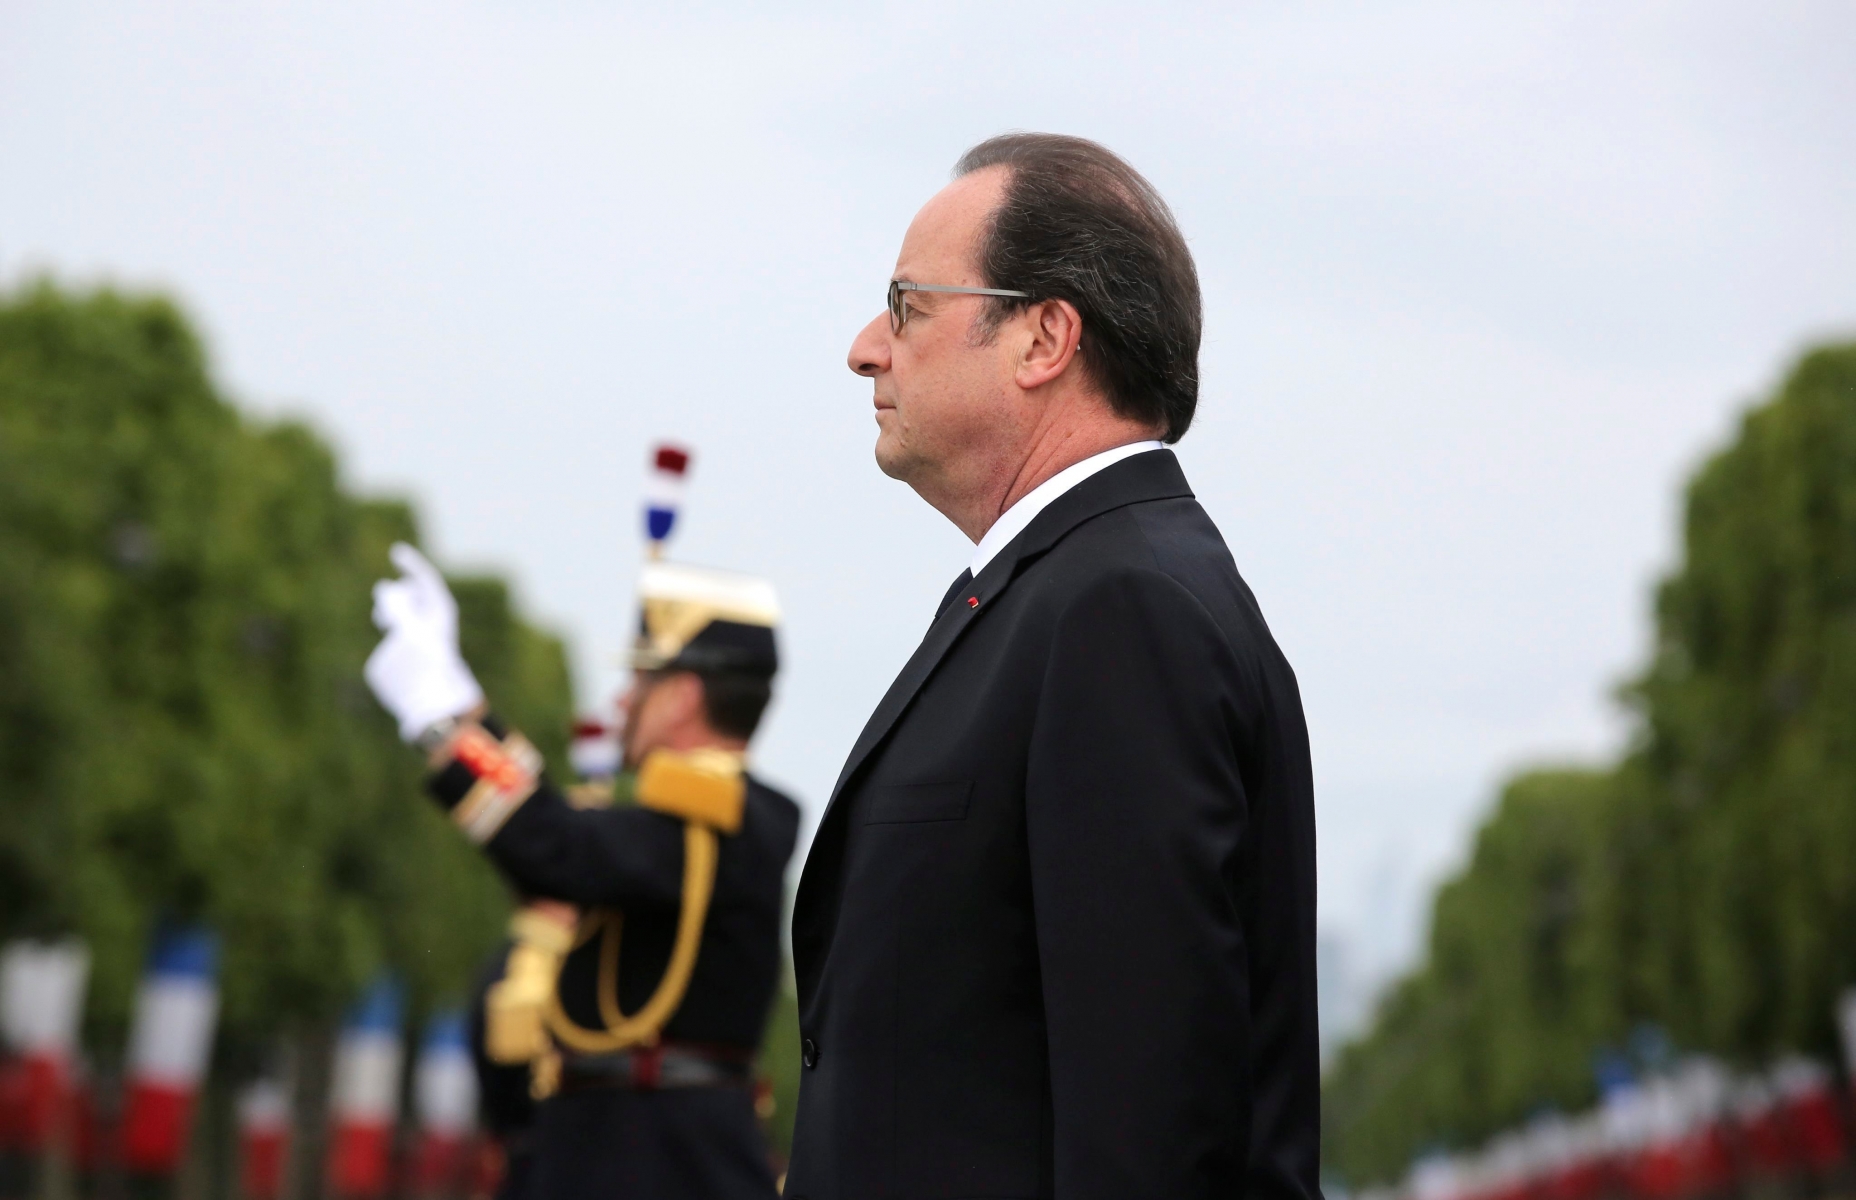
{"type": "Point", "coordinates": [663, 494]}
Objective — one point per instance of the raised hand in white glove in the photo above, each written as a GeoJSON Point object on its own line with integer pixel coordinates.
{"type": "Point", "coordinates": [416, 672]}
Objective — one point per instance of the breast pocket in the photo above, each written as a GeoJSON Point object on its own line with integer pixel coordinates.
{"type": "Point", "coordinates": [909, 803]}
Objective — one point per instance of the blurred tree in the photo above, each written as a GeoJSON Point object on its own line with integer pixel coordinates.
{"type": "Point", "coordinates": [1516, 989]}
{"type": "Point", "coordinates": [184, 611]}
{"type": "Point", "coordinates": [1708, 882]}
{"type": "Point", "coordinates": [1749, 712]}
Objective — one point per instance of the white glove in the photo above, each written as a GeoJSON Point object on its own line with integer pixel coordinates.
{"type": "Point", "coordinates": [416, 672]}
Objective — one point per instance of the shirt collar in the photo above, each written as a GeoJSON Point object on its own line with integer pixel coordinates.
{"type": "Point", "coordinates": [1013, 520]}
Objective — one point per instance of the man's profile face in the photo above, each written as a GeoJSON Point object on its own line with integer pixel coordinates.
{"type": "Point", "coordinates": [939, 392]}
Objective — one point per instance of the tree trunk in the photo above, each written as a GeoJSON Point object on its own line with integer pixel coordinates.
{"type": "Point", "coordinates": [310, 1053]}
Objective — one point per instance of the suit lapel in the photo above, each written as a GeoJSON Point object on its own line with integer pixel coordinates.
{"type": "Point", "coordinates": [1151, 476]}
{"type": "Point", "coordinates": [815, 905]}
{"type": "Point", "coordinates": [946, 630]}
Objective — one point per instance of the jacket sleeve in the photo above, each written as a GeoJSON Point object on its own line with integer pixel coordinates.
{"type": "Point", "coordinates": [1135, 811]}
{"type": "Point", "coordinates": [600, 856]}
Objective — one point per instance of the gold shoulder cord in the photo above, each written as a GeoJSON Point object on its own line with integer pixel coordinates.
{"type": "Point", "coordinates": [705, 788]}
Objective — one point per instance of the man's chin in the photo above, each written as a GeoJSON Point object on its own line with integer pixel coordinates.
{"type": "Point", "coordinates": [892, 460]}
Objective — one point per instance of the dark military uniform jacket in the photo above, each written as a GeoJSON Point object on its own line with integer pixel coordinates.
{"type": "Point", "coordinates": [1055, 935]}
{"type": "Point", "coordinates": [674, 1142]}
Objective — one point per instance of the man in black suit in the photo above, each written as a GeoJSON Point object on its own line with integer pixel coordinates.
{"type": "Point", "coordinates": [1055, 936]}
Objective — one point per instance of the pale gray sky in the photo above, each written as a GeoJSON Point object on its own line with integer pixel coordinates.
{"type": "Point", "coordinates": [1482, 283]}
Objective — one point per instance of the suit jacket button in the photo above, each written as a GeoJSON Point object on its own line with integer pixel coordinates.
{"type": "Point", "coordinates": [808, 1053]}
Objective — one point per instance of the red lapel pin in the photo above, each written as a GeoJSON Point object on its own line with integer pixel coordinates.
{"type": "Point", "coordinates": [973, 601]}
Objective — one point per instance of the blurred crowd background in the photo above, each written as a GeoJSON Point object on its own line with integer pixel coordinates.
{"type": "Point", "coordinates": [1530, 413]}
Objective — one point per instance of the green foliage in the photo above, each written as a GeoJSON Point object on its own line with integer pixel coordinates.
{"type": "Point", "coordinates": [1707, 883]}
{"type": "Point", "coordinates": [1517, 988]}
{"type": "Point", "coordinates": [184, 611]}
{"type": "Point", "coordinates": [1749, 708]}
{"type": "Point", "coordinates": [779, 1062]}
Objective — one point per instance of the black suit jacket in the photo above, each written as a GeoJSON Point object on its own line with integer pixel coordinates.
{"type": "Point", "coordinates": [1055, 936]}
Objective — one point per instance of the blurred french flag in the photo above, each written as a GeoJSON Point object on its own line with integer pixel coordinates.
{"type": "Point", "coordinates": [445, 1100]}
{"type": "Point", "coordinates": [170, 1043]}
{"type": "Point", "coordinates": [41, 1007]}
{"type": "Point", "coordinates": [263, 1138]}
{"type": "Point", "coordinates": [1807, 1100]}
{"type": "Point", "coordinates": [364, 1094]}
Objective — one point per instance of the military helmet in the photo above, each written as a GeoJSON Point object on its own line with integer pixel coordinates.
{"type": "Point", "coordinates": [704, 620]}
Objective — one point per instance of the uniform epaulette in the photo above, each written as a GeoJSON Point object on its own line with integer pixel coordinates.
{"type": "Point", "coordinates": [705, 786]}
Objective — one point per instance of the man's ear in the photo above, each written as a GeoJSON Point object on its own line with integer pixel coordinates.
{"type": "Point", "coordinates": [1054, 332]}
{"type": "Point", "coordinates": [687, 697]}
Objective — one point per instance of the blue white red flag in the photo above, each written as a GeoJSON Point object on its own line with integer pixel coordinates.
{"type": "Point", "coordinates": [364, 1100]}
{"type": "Point", "coordinates": [170, 1043]}
{"type": "Point", "coordinates": [263, 1138]}
{"type": "Point", "coordinates": [41, 1007]}
{"type": "Point", "coordinates": [445, 1101]}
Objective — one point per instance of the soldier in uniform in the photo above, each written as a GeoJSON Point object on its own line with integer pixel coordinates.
{"type": "Point", "coordinates": [637, 992]}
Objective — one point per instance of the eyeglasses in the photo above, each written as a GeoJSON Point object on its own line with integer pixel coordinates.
{"type": "Point", "coordinates": [899, 312]}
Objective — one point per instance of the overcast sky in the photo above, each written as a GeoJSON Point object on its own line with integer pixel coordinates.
{"type": "Point", "coordinates": [1483, 282]}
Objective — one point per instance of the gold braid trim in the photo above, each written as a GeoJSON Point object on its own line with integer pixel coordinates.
{"type": "Point", "coordinates": [506, 771]}
{"type": "Point", "coordinates": [708, 794]}
{"type": "Point", "coordinates": [515, 1007]}
{"type": "Point", "coordinates": [622, 1032]}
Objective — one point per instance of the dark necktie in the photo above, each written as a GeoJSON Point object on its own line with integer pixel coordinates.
{"type": "Point", "coordinates": [960, 585]}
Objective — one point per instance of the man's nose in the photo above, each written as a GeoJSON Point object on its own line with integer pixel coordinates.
{"type": "Point", "coordinates": [869, 355]}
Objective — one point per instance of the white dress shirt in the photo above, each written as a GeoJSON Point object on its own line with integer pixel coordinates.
{"type": "Point", "coordinates": [1013, 520]}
